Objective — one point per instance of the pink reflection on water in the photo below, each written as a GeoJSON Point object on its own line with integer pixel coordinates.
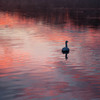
{"type": "Point", "coordinates": [45, 90]}
{"type": "Point", "coordinates": [32, 53]}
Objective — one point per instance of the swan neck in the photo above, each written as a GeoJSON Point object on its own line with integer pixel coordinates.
{"type": "Point", "coordinates": [66, 45]}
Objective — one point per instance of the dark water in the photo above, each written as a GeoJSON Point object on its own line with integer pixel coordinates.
{"type": "Point", "coordinates": [32, 66]}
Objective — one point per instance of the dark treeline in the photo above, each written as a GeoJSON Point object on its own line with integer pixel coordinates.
{"type": "Point", "coordinates": [49, 3]}
{"type": "Point", "coordinates": [56, 12]}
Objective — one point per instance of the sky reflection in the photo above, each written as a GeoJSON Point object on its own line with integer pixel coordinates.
{"type": "Point", "coordinates": [33, 67]}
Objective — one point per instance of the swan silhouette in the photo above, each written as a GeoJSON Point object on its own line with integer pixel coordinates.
{"type": "Point", "coordinates": [65, 50]}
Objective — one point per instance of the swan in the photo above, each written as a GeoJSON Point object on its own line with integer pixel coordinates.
{"type": "Point", "coordinates": [65, 50]}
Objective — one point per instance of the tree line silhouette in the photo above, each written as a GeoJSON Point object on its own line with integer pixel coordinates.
{"type": "Point", "coordinates": [55, 12]}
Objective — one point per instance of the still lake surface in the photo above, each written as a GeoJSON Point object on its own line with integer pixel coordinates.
{"type": "Point", "coordinates": [32, 66]}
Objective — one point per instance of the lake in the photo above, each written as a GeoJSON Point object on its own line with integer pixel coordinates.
{"type": "Point", "coordinates": [32, 66]}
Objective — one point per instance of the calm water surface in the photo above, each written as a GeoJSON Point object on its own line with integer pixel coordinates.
{"type": "Point", "coordinates": [32, 66]}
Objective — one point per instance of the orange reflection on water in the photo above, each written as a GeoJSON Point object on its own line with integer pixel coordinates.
{"type": "Point", "coordinates": [13, 20]}
{"type": "Point", "coordinates": [10, 58]}
{"type": "Point", "coordinates": [35, 50]}
{"type": "Point", "coordinates": [40, 34]}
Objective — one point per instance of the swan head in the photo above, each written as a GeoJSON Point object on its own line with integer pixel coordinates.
{"type": "Point", "coordinates": [66, 42]}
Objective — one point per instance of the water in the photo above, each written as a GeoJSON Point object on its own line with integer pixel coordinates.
{"type": "Point", "coordinates": [32, 66]}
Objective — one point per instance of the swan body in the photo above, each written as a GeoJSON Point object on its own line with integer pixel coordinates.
{"type": "Point", "coordinates": [65, 50]}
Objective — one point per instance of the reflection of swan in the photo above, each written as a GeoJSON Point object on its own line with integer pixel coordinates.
{"type": "Point", "coordinates": [65, 50]}
{"type": "Point", "coordinates": [66, 57]}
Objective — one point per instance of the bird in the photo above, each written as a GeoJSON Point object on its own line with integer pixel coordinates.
{"type": "Point", "coordinates": [65, 50]}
